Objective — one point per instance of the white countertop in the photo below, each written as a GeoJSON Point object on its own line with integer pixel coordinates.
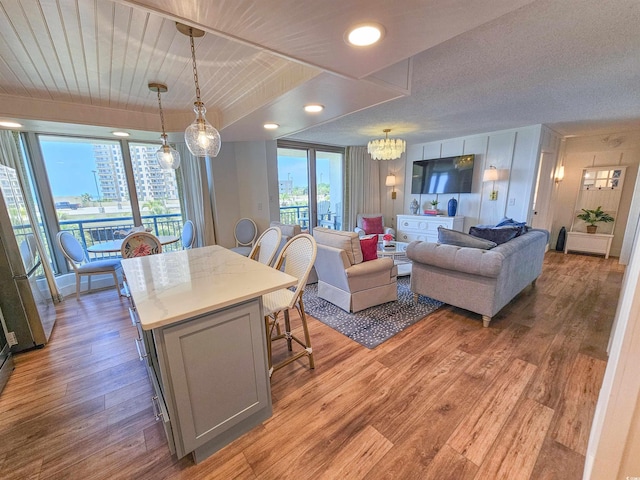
{"type": "Point", "coordinates": [170, 287]}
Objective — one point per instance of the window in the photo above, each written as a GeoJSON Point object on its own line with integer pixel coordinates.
{"type": "Point", "coordinates": [310, 181]}
{"type": "Point", "coordinates": [89, 181]}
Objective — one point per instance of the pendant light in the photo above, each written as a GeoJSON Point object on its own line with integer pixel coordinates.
{"type": "Point", "coordinates": [386, 148]}
{"type": "Point", "coordinates": [168, 157]}
{"type": "Point", "coordinates": [202, 139]}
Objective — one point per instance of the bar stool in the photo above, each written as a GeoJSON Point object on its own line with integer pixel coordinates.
{"type": "Point", "coordinates": [297, 257]}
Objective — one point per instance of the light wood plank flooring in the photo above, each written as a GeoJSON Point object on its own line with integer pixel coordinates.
{"type": "Point", "coordinates": [445, 399]}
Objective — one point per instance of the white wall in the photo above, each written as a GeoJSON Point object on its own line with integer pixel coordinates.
{"type": "Point", "coordinates": [245, 184]}
{"type": "Point", "coordinates": [515, 153]}
{"type": "Point", "coordinates": [595, 151]}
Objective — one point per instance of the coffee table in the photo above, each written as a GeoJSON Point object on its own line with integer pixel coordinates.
{"type": "Point", "coordinates": [399, 254]}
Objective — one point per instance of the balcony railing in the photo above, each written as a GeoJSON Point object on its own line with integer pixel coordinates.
{"type": "Point", "coordinates": [90, 232]}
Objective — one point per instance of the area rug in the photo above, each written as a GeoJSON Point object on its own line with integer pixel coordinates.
{"type": "Point", "coordinates": [372, 326]}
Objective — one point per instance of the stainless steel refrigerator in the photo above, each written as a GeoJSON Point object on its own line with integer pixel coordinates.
{"type": "Point", "coordinates": [25, 299]}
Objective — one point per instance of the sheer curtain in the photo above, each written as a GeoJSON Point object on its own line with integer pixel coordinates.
{"type": "Point", "coordinates": [362, 184]}
{"type": "Point", "coordinates": [196, 196]}
{"type": "Point", "coordinates": [10, 157]}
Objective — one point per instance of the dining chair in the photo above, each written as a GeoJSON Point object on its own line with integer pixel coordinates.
{"type": "Point", "coordinates": [245, 233]}
{"type": "Point", "coordinates": [140, 244]}
{"type": "Point", "coordinates": [188, 236]}
{"type": "Point", "coordinates": [296, 258]}
{"type": "Point", "coordinates": [266, 246]}
{"type": "Point", "coordinates": [75, 254]}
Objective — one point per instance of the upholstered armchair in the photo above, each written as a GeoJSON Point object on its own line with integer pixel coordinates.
{"type": "Point", "coordinates": [372, 223]}
{"type": "Point", "coordinates": [347, 281]}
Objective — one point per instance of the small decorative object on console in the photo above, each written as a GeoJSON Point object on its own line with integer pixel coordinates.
{"type": "Point", "coordinates": [387, 241]}
{"type": "Point", "coordinates": [413, 207]}
{"type": "Point", "coordinates": [452, 207]}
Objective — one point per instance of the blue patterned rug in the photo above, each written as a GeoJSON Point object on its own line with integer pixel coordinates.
{"type": "Point", "coordinates": [371, 326]}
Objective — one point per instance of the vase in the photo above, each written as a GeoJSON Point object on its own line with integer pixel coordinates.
{"type": "Point", "coordinates": [452, 207]}
{"type": "Point", "coordinates": [592, 228]}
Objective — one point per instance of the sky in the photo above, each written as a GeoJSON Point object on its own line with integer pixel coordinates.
{"type": "Point", "coordinates": [69, 167]}
{"type": "Point", "coordinates": [297, 167]}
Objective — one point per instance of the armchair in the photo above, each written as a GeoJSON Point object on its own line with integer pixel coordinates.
{"type": "Point", "coordinates": [368, 223]}
{"type": "Point", "coordinates": [344, 279]}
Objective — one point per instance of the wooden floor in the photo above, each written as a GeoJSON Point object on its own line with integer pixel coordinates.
{"type": "Point", "coordinates": [445, 399]}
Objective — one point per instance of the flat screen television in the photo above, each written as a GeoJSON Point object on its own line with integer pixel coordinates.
{"type": "Point", "coordinates": [443, 175]}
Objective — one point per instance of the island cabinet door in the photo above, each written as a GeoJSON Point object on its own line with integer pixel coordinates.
{"type": "Point", "coordinates": [216, 371]}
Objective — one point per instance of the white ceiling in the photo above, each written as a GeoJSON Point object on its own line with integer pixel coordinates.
{"type": "Point", "coordinates": [443, 69]}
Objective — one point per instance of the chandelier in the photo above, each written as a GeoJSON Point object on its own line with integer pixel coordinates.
{"type": "Point", "coordinates": [168, 157]}
{"type": "Point", "coordinates": [202, 139]}
{"type": "Point", "coordinates": [386, 148]}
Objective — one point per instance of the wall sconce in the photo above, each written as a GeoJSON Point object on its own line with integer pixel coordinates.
{"type": "Point", "coordinates": [491, 175]}
{"type": "Point", "coordinates": [390, 181]}
{"type": "Point", "coordinates": [559, 174]}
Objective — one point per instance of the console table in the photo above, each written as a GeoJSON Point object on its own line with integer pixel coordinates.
{"type": "Point", "coordinates": [599, 243]}
{"type": "Point", "coordinates": [201, 332]}
{"type": "Point", "coordinates": [425, 227]}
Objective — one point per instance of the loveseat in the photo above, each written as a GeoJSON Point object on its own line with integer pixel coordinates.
{"type": "Point", "coordinates": [345, 279]}
{"type": "Point", "coordinates": [481, 281]}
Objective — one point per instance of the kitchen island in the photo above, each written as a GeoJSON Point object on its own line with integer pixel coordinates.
{"type": "Point", "coordinates": [201, 332]}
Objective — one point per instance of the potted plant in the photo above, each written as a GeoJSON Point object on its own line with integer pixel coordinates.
{"type": "Point", "coordinates": [591, 217]}
{"type": "Point", "coordinates": [434, 204]}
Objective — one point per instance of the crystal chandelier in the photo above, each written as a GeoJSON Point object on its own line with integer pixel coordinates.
{"type": "Point", "coordinates": [386, 148]}
{"type": "Point", "coordinates": [168, 157]}
{"type": "Point", "coordinates": [202, 139]}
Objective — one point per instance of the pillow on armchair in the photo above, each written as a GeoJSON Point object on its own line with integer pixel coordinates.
{"type": "Point", "coordinates": [372, 224]}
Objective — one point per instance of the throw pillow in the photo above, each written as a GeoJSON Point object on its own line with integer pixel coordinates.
{"type": "Point", "coordinates": [510, 222]}
{"type": "Point", "coordinates": [372, 225]}
{"type": "Point", "coordinates": [369, 246]}
{"type": "Point", "coordinates": [498, 235]}
{"type": "Point", "coordinates": [460, 239]}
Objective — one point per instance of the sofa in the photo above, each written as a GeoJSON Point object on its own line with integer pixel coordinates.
{"type": "Point", "coordinates": [345, 279]}
{"type": "Point", "coordinates": [481, 281]}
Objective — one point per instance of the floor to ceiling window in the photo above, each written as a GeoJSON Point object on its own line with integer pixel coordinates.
{"type": "Point", "coordinates": [99, 189]}
{"type": "Point", "coordinates": [310, 179]}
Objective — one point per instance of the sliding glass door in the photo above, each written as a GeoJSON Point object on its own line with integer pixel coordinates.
{"type": "Point", "coordinates": [310, 179]}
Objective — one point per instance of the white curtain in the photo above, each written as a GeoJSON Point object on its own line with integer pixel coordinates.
{"type": "Point", "coordinates": [196, 196]}
{"type": "Point", "coordinates": [362, 184]}
{"type": "Point", "coordinates": [10, 157]}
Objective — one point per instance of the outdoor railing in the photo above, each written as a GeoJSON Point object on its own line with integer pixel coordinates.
{"type": "Point", "coordinates": [90, 232]}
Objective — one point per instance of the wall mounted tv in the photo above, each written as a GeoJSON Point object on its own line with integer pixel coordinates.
{"type": "Point", "coordinates": [443, 175]}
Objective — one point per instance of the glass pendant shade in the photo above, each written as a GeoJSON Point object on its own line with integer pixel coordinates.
{"type": "Point", "coordinates": [168, 157]}
{"type": "Point", "coordinates": [386, 148]}
{"type": "Point", "coordinates": [202, 139]}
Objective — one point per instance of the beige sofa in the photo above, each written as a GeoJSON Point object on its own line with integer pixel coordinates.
{"type": "Point", "coordinates": [344, 279]}
{"type": "Point", "coordinates": [482, 281]}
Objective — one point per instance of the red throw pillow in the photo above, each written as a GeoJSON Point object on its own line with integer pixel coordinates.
{"type": "Point", "coordinates": [372, 225]}
{"type": "Point", "coordinates": [369, 246]}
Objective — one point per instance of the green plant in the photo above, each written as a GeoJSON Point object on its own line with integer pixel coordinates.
{"type": "Point", "coordinates": [594, 216]}
{"type": "Point", "coordinates": [434, 203]}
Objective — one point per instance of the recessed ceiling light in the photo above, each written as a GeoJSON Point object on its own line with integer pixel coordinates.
{"type": "Point", "coordinates": [271, 126]}
{"type": "Point", "coordinates": [10, 124]}
{"type": "Point", "coordinates": [313, 108]}
{"type": "Point", "coordinates": [365, 35]}
{"type": "Point", "coordinates": [120, 134]}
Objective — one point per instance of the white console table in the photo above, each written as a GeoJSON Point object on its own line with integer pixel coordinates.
{"type": "Point", "coordinates": [588, 243]}
{"type": "Point", "coordinates": [425, 227]}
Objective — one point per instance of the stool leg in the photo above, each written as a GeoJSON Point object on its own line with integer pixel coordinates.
{"type": "Point", "coordinates": [307, 337]}
{"type": "Point", "coordinates": [287, 329]}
